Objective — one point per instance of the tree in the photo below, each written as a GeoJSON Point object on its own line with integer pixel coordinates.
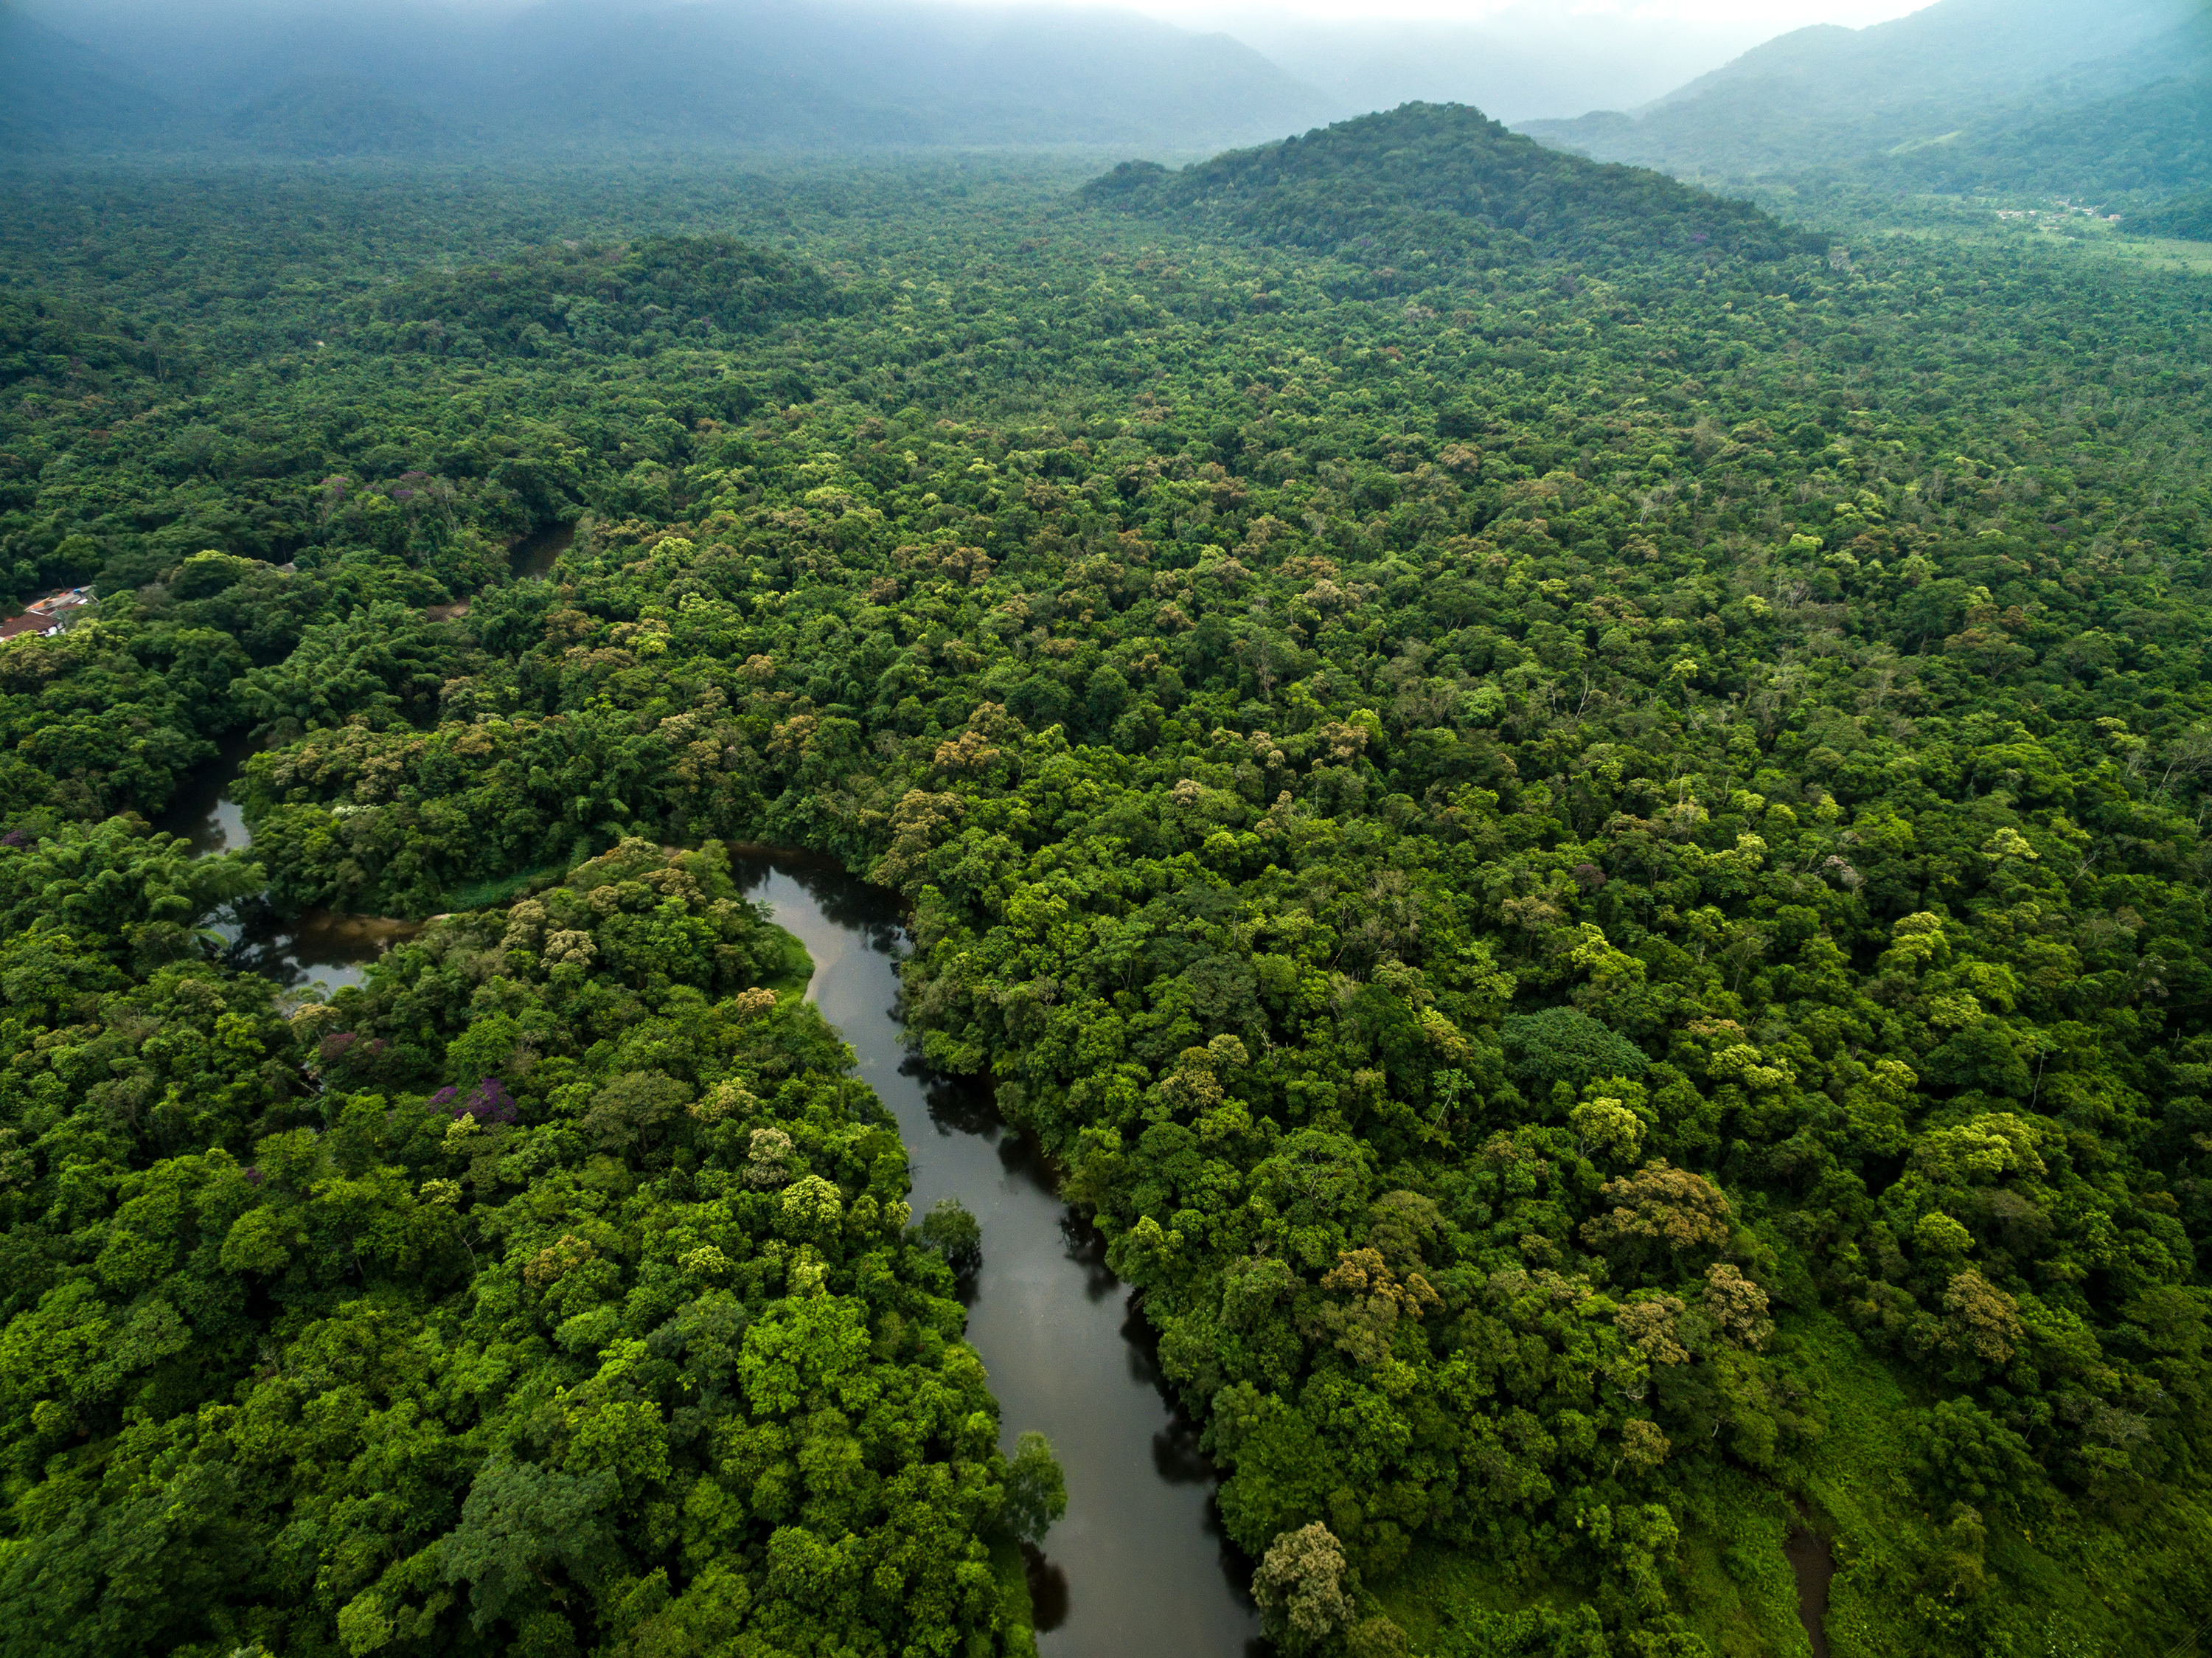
{"type": "Point", "coordinates": [519, 1520]}
{"type": "Point", "coordinates": [1660, 1211]}
{"type": "Point", "coordinates": [1304, 1588]}
{"type": "Point", "coordinates": [956, 1235]}
{"type": "Point", "coordinates": [1961, 1454]}
{"type": "Point", "coordinates": [1563, 1045]}
{"type": "Point", "coordinates": [1036, 1493]}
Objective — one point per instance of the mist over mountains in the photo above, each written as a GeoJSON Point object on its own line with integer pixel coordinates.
{"type": "Point", "coordinates": [2086, 99]}
{"type": "Point", "coordinates": [595, 73]}
{"type": "Point", "coordinates": [2100, 96]}
{"type": "Point", "coordinates": [1529, 60]}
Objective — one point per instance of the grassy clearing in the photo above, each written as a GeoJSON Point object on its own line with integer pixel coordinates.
{"type": "Point", "coordinates": [1738, 1592]}
{"type": "Point", "coordinates": [2095, 242]}
{"type": "Point", "coordinates": [2159, 254]}
{"type": "Point", "coordinates": [484, 894]}
{"type": "Point", "coordinates": [2121, 1583]}
{"type": "Point", "coordinates": [1439, 1587]}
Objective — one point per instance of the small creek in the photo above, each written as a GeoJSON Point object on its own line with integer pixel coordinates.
{"type": "Point", "coordinates": [1813, 1560]}
{"type": "Point", "coordinates": [1139, 1566]}
{"type": "Point", "coordinates": [319, 946]}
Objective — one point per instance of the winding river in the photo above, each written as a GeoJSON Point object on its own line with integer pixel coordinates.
{"type": "Point", "coordinates": [318, 946]}
{"type": "Point", "coordinates": [1139, 1567]}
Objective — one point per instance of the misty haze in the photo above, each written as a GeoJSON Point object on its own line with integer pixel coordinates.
{"type": "Point", "coordinates": [854, 829]}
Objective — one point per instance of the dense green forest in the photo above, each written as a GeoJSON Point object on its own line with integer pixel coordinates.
{"type": "Point", "coordinates": [1587, 844]}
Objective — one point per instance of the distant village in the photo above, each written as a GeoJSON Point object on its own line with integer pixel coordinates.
{"type": "Point", "coordinates": [2060, 207]}
{"type": "Point", "coordinates": [46, 615]}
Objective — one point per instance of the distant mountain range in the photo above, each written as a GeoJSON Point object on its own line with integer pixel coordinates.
{"type": "Point", "coordinates": [58, 94]}
{"type": "Point", "coordinates": [2097, 100]}
{"type": "Point", "coordinates": [2083, 97]}
{"type": "Point", "coordinates": [1528, 58]}
{"type": "Point", "coordinates": [329, 80]}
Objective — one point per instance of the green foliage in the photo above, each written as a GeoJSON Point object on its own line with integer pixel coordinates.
{"type": "Point", "coordinates": [1589, 851]}
{"type": "Point", "coordinates": [552, 1367]}
{"type": "Point", "coordinates": [2087, 102]}
{"type": "Point", "coordinates": [660, 292]}
{"type": "Point", "coordinates": [113, 889]}
{"type": "Point", "coordinates": [1036, 1495]}
{"type": "Point", "coordinates": [1440, 182]}
{"type": "Point", "coordinates": [1559, 1045]}
{"type": "Point", "coordinates": [2189, 217]}
{"type": "Point", "coordinates": [955, 1234]}
{"type": "Point", "coordinates": [1966, 1455]}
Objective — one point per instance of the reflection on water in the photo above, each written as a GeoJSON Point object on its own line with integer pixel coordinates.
{"type": "Point", "coordinates": [333, 949]}
{"type": "Point", "coordinates": [1139, 1567]}
{"type": "Point", "coordinates": [202, 811]}
{"type": "Point", "coordinates": [535, 555]}
{"type": "Point", "coordinates": [1048, 1584]}
{"type": "Point", "coordinates": [317, 947]}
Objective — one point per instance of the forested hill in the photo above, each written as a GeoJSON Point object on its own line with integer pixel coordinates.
{"type": "Point", "coordinates": [55, 94]}
{"type": "Point", "coordinates": [1426, 181]}
{"type": "Point", "coordinates": [2188, 217]}
{"type": "Point", "coordinates": [2084, 97]}
{"type": "Point", "coordinates": [2085, 139]}
{"type": "Point", "coordinates": [634, 300]}
{"type": "Point", "coordinates": [330, 115]}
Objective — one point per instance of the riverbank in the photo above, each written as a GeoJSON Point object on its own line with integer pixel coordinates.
{"type": "Point", "coordinates": [325, 948]}
{"type": "Point", "coordinates": [1138, 1565]}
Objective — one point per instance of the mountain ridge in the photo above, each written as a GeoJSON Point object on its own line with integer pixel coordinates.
{"type": "Point", "coordinates": [57, 93]}
{"type": "Point", "coordinates": [826, 75]}
{"type": "Point", "coordinates": [1994, 75]}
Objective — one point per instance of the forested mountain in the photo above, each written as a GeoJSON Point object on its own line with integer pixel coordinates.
{"type": "Point", "coordinates": [2189, 217]}
{"type": "Point", "coordinates": [335, 115]}
{"type": "Point", "coordinates": [2091, 98]}
{"type": "Point", "coordinates": [819, 75]}
{"type": "Point", "coordinates": [2138, 145]}
{"type": "Point", "coordinates": [1580, 823]}
{"type": "Point", "coordinates": [1424, 189]}
{"type": "Point", "coordinates": [57, 94]}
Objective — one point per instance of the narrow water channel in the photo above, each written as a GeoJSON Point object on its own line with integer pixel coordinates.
{"type": "Point", "coordinates": [1813, 1561]}
{"type": "Point", "coordinates": [319, 946]}
{"type": "Point", "coordinates": [1139, 1567]}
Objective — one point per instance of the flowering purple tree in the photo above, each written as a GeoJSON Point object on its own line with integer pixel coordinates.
{"type": "Point", "coordinates": [489, 1102]}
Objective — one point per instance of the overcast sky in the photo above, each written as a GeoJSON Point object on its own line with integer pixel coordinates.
{"type": "Point", "coordinates": [1763, 18]}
